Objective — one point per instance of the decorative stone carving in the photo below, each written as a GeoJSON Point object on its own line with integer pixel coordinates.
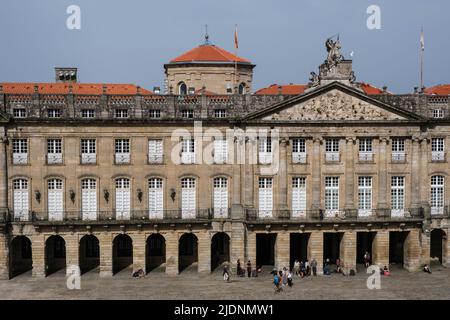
{"type": "Point", "coordinates": [334, 105]}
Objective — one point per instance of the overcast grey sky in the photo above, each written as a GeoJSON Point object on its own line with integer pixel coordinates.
{"type": "Point", "coordinates": [129, 41]}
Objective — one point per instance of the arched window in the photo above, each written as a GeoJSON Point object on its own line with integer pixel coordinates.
{"type": "Point", "coordinates": [55, 199]}
{"type": "Point", "coordinates": [188, 198]}
{"type": "Point", "coordinates": [21, 196]}
{"type": "Point", "coordinates": [89, 199]}
{"type": "Point", "coordinates": [220, 195]}
{"type": "Point", "coordinates": [123, 199]}
{"type": "Point", "coordinates": [437, 195]}
{"type": "Point", "coordinates": [182, 88]}
{"type": "Point", "coordinates": [242, 88]}
{"type": "Point", "coordinates": [155, 198]}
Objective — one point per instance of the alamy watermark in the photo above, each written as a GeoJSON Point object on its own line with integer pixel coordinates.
{"type": "Point", "coordinates": [73, 22]}
{"type": "Point", "coordinates": [73, 281]}
{"type": "Point", "coordinates": [374, 280]}
{"type": "Point", "coordinates": [374, 20]}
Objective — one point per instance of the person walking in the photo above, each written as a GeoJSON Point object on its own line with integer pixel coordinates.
{"type": "Point", "coordinates": [238, 268]}
{"type": "Point", "coordinates": [314, 267]}
{"type": "Point", "coordinates": [226, 274]}
{"type": "Point", "coordinates": [307, 268]}
{"type": "Point", "coordinates": [284, 276]}
{"type": "Point", "coordinates": [249, 268]}
{"type": "Point", "coordinates": [296, 267]}
{"type": "Point", "coordinates": [289, 279]}
{"type": "Point", "coordinates": [367, 259]}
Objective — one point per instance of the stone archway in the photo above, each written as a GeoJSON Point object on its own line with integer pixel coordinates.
{"type": "Point", "coordinates": [220, 250]}
{"type": "Point", "coordinates": [122, 252]}
{"type": "Point", "coordinates": [438, 247]}
{"type": "Point", "coordinates": [55, 254]}
{"type": "Point", "coordinates": [20, 255]}
{"type": "Point", "coordinates": [89, 253]}
{"type": "Point", "coordinates": [155, 252]}
{"type": "Point", "coordinates": [188, 252]}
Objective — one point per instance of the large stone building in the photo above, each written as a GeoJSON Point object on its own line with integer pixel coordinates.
{"type": "Point", "coordinates": [107, 176]}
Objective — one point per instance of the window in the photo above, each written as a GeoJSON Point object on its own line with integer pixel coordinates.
{"type": "Point", "coordinates": [220, 195]}
{"type": "Point", "coordinates": [241, 88]}
{"type": "Point", "coordinates": [188, 198]}
{"type": "Point", "coordinates": [182, 89]}
{"type": "Point", "coordinates": [155, 198]}
{"type": "Point", "coordinates": [187, 113]}
{"type": "Point", "coordinates": [298, 151]}
{"type": "Point", "coordinates": [265, 197]}
{"type": "Point", "coordinates": [55, 199]}
{"type": "Point", "coordinates": [89, 199]}
{"type": "Point", "coordinates": [20, 151]}
{"type": "Point", "coordinates": [54, 151]}
{"type": "Point", "coordinates": [437, 195]}
{"type": "Point", "coordinates": [398, 149]}
{"type": "Point", "coordinates": [54, 113]}
{"type": "Point", "coordinates": [265, 150]}
{"type": "Point", "coordinates": [364, 196]}
{"type": "Point", "coordinates": [365, 150]}
{"type": "Point", "coordinates": [88, 151]}
{"type": "Point", "coordinates": [20, 199]}
{"type": "Point", "coordinates": [438, 113]}
{"type": "Point", "coordinates": [121, 113]}
{"type": "Point", "coordinates": [188, 151]}
{"type": "Point", "coordinates": [122, 151]}
{"type": "Point", "coordinates": [154, 113]}
{"type": "Point", "coordinates": [88, 113]}
{"type": "Point", "coordinates": [437, 149]}
{"type": "Point", "coordinates": [331, 195]}
{"type": "Point", "coordinates": [123, 199]}
{"type": "Point", "coordinates": [19, 113]}
{"type": "Point", "coordinates": [220, 151]}
{"type": "Point", "coordinates": [155, 151]}
{"type": "Point", "coordinates": [397, 196]}
{"type": "Point", "coordinates": [332, 150]}
{"type": "Point", "coordinates": [220, 113]}
{"type": "Point", "coordinates": [298, 197]}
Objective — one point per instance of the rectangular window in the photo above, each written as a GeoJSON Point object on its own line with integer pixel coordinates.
{"type": "Point", "coordinates": [265, 194]}
{"type": "Point", "coordinates": [19, 113]}
{"type": "Point", "coordinates": [298, 197]}
{"type": "Point", "coordinates": [220, 195]}
{"type": "Point", "coordinates": [88, 113]}
{"type": "Point", "coordinates": [188, 198]}
{"type": "Point", "coordinates": [437, 195]}
{"type": "Point", "coordinates": [121, 113]}
{"type": "Point", "coordinates": [437, 149]}
{"type": "Point", "coordinates": [187, 113]}
{"type": "Point", "coordinates": [365, 150]}
{"type": "Point", "coordinates": [265, 150]}
{"type": "Point", "coordinates": [88, 151]}
{"type": "Point", "coordinates": [398, 149]}
{"type": "Point", "coordinates": [20, 151]}
{"type": "Point", "coordinates": [397, 196]}
{"type": "Point", "coordinates": [155, 151]}
{"type": "Point", "coordinates": [364, 196]}
{"type": "Point", "coordinates": [89, 199]}
{"type": "Point", "coordinates": [332, 150]}
{"type": "Point", "coordinates": [220, 151]}
{"type": "Point", "coordinates": [154, 114]}
{"type": "Point", "coordinates": [54, 151]}
{"type": "Point", "coordinates": [220, 113]}
{"type": "Point", "coordinates": [331, 195]}
{"type": "Point", "coordinates": [21, 199]}
{"type": "Point", "coordinates": [155, 198]}
{"type": "Point", "coordinates": [122, 151]}
{"type": "Point", "coordinates": [298, 151]}
{"type": "Point", "coordinates": [438, 113]}
{"type": "Point", "coordinates": [188, 151]}
{"type": "Point", "coordinates": [54, 113]}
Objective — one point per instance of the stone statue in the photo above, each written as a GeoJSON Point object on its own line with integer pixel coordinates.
{"type": "Point", "coordinates": [352, 78]}
{"type": "Point", "coordinates": [334, 53]}
{"type": "Point", "coordinates": [314, 78]}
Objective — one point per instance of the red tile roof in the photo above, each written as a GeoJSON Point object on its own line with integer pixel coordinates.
{"type": "Point", "coordinates": [369, 89]}
{"type": "Point", "coordinates": [208, 53]}
{"type": "Point", "coordinates": [293, 89]}
{"type": "Point", "coordinates": [77, 88]}
{"type": "Point", "coordinates": [442, 89]}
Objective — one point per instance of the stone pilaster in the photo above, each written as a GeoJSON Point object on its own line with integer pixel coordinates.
{"type": "Point", "coordinates": [171, 253]}
{"type": "Point", "coordinates": [349, 173]}
{"type": "Point", "coordinates": [251, 248]}
{"type": "Point", "coordinates": [316, 163]}
{"type": "Point", "coordinates": [282, 175]}
{"type": "Point", "coordinates": [106, 254]}
{"type": "Point", "coordinates": [237, 243]}
{"type": "Point", "coordinates": [382, 173]}
{"type": "Point", "coordinates": [72, 252]}
{"type": "Point", "coordinates": [425, 242]}
{"type": "Point", "coordinates": [251, 148]}
{"type": "Point", "coordinates": [38, 255]}
{"type": "Point", "coordinates": [348, 250]}
{"type": "Point", "coordinates": [4, 256]}
{"type": "Point", "coordinates": [416, 170]}
{"type": "Point", "coordinates": [138, 250]}
{"type": "Point", "coordinates": [446, 250]}
{"type": "Point", "coordinates": [282, 250]}
{"type": "Point", "coordinates": [424, 178]}
{"type": "Point", "coordinates": [204, 251]}
{"type": "Point", "coordinates": [315, 249]}
{"type": "Point", "coordinates": [412, 251]}
{"type": "Point", "coordinates": [380, 248]}
{"type": "Point", "coordinates": [3, 174]}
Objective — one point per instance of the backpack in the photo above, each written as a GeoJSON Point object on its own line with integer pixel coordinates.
{"type": "Point", "coordinates": [276, 280]}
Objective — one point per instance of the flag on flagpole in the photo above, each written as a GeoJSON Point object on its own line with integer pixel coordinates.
{"type": "Point", "coordinates": [422, 40]}
{"type": "Point", "coordinates": [236, 43]}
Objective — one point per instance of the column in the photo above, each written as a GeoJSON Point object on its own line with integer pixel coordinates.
{"type": "Point", "coordinates": [237, 244]}
{"type": "Point", "coordinates": [424, 178]}
{"type": "Point", "coordinates": [3, 174]}
{"type": "Point", "coordinates": [204, 251]}
{"type": "Point", "coordinates": [348, 250]}
{"type": "Point", "coordinates": [251, 248]}
{"type": "Point", "coordinates": [382, 173]}
{"type": "Point", "coordinates": [106, 254]}
{"type": "Point", "coordinates": [4, 256]}
{"type": "Point", "coordinates": [282, 250]}
{"type": "Point", "coordinates": [315, 249]}
{"type": "Point", "coordinates": [425, 248]}
{"type": "Point", "coordinates": [349, 174]}
{"type": "Point", "coordinates": [38, 255]}
{"type": "Point", "coordinates": [171, 252]}
{"type": "Point", "coordinates": [316, 163]}
{"type": "Point", "coordinates": [415, 172]}
{"type": "Point", "coordinates": [380, 248]}
{"type": "Point", "coordinates": [412, 250]}
{"type": "Point", "coordinates": [139, 245]}
{"type": "Point", "coordinates": [251, 148]}
{"type": "Point", "coordinates": [282, 174]}
{"type": "Point", "coordinates": [72, 252]}
{"type": "Point", "coordinates": [446, 250]}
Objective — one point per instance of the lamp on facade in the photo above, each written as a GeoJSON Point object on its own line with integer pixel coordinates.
{"type": "Point", "coordinates": [37, 195]}
{"type": "Point", "coordinates": [139, 195]}
{"type": "Point", "coordinates": [173, 194]}
{"type": "Point", "coordinates": [106, 195]}
{"type": "Point", "coordinates": [72, 195]}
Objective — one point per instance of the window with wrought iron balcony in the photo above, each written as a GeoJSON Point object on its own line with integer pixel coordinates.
{"type": "Point", "coordinates": [220, 151]}
{"type": "Point", "coordinates": [155, 151]}
{"type": "Point", "coordinates": [54, 151]}
{"type": "Point", "coordinates": [187, 151]}
{"type": "Point", "coordinates": [437, 149]}
{"type": "Point", "coordinates": [365, 150]}
{"type": "Point", "coordinates": [265, 150]}
{"type": "Point", "coordinates": [298, 151]}
{"type": "Point", "coordinates": [88, 151]}
{"type": "Point", "coordinates": [398, 150]}
{"type": "Point", "coordinates": [122, 151]}
{"type": "Point", "coordinates": [20, 151]}
{"type": "Point", "coordinates": [332, 150]}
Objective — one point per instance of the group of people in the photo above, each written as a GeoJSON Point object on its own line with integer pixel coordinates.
{"type": "Point", "coordinates": [282, 278]}
{"type": "Point", "coordinates": [304, 269]}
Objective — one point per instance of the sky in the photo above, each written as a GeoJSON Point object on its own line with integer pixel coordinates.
{"type": "Point", "coordinates": [129, 41]}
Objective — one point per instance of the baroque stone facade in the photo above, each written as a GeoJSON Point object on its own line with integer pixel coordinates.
{"type": "Point", "coordinates": [93, 179]}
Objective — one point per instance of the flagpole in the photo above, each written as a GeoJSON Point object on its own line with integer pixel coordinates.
{"type": "Point", "coordinates": [422, 49]}
{"type": "Point", "coordinates": [235, 60]}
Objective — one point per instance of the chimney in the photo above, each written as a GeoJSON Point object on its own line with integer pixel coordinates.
{"type": "Point", "coordinates": [66, 74]}
{"type": "Point", "coordinates": [36, 88]}
{"type": "Point", "coordinates": [384, 89]}
{"type": "Point", "coordinates": [1, 88]}
{"type": "Point", "coordinates": [280, 89]}
{"type": "Point", "coordinates": [138, 90]}
{"type": "Point", "coordinates": [104, 89]}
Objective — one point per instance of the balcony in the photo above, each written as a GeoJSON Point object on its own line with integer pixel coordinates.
{"type": "Point", "coordinates": [332, 157]}
{"type": "Point", "coordinates": [299, 157]}
{"type": "Point", "coordinates": [155, 159]}
{"type": "Point", "coordinates": [187, 157]}
{"type": "Point", "coordinates": [366, 156]}
{"type": "Point", "coordinates": [122, 158]}
{"type": "Point", "coordinates": [438, 156]}
{"type": "Point", "coordinates": [398, 156]}
{"type": "Point", "coordinates": [20, 158]}
{"type": "Point", "coordinates": [88, 158]}
{"type": "Point", "coordinates": [265, 157]}
{"type": "Point", "coordinates": [54, 158]}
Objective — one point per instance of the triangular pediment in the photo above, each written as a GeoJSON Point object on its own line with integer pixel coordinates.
{"type": "Point", "coordinates": [333, 102]}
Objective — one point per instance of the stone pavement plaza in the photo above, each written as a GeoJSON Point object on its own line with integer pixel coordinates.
{"type": "Point", "coordinates": [190, 285]}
